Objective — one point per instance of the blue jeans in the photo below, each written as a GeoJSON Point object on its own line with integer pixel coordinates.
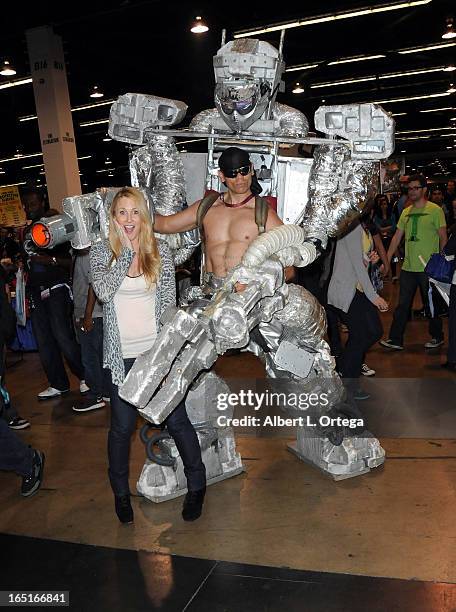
{"type": "Point", "coordinates": [123, 424]}
{"type": "Point", "coordinates": [91, 342]}
{"type": "Point", "coordinates": [408, 284]}
{"type": "Point", "coordinates": [52, 322]}
{"type": "Point", "coordinates": [452, 326]}
{"type": "Point", "coordinates": [15, 456]}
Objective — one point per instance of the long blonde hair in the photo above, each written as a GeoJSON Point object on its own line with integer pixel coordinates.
{"type": "Point", "coordinates": [149, 257]}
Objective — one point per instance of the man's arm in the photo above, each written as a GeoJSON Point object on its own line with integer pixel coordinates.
{"type": "Point", "coordinates": [182, 221]}
{"type": "Point", "coordinates": [87, 323]}
{"type": "Point", "coordinates": [382, 253]}
{"type": "Point", "coordinates": [395, 242]}
{"type": "Point", "coordinates": [443, 237]}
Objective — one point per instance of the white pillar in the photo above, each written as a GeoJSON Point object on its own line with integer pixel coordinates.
{"type": "Point", "coordinates": [53, 109]}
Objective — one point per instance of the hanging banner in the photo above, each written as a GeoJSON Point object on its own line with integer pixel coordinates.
{"type": "Point", "coordinates": [12, 213]}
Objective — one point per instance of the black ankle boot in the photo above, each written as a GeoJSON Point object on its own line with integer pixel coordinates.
{"type": "Point", "coordinates": [193, 505]}
{"type": "Point", "coordinates": [124, 510]}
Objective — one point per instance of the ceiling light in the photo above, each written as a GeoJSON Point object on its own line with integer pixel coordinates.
{"type": "Point", "coordinates": [199, 27]}
{"type": "Point", "coordinates": [450, 68]}
{"type": "Point", "coordinates": [426, 48]}
{"type": "Point", "coordinates": [99, 122]}
{"type": "Point", "coordinates": [426, 130]}
{"type": "Point", "coordinates": [403, 151]}
{"type": "Point", "coordinates": [73, 110]}
{"type": "Point", "coordinates": [357, 58]}
{"type": "Point", "coordinates": [346, 82]}
{"type": "Point", "coordinates": [297, 89]}
{"type": "Point", "coordinates": [85, 157]}
{"type": "Point", "coordinates": [107, 139]}
{"type": "Point", "coordinates": [15, 83]}
{"type": "Point", "coordinates": [397, 114]}
{"type": "Point", "coordinates": [28, 118]}
{"type": "Point", "coordinates": [425, 97]}
{"type": "Point", "coordinates": [451, 89]}
{"type": "Point", "coordinates": [392, 75]}
{"type": "Point", "coordinates": [94, 105]}
{"type": "Point", "coordinates": [7, 69]}
{"type": "Point", "coordinates": [96, 93]}
{"type": "Point", "coordinates": [388, 75]}
{"type": "Point", "coordinates": [450, 32]}
{"type": "Point", "coordinates": [301, 67]}
{"type": "Point", "coordinates": [436, 137]}
{"type": "Point", "coordinates": [13, 184]}
{"type": "Point", "coordinates": [369, 10]}
{"type": "Point", "coordinates": [19, 156]}
{"type": "Point", "coordinates": [436, 110]}
{"type": "Point", "coordinates": [35, 166]}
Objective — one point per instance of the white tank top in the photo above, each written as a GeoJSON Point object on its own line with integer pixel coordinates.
{"type": "Point", "coordinates": [134, 304]}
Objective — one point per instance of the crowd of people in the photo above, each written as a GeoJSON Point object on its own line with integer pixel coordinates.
{"type": "Point", "coordinates": [95, 311]}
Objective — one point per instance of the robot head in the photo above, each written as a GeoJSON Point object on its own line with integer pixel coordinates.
{"type": "Point", "coordinates": [247, 76]}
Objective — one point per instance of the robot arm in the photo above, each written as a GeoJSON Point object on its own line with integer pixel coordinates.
{"type": "Point", "coordinates": [85, 220]}
{"type": "Point", "coordinates": [190, 340]}
{"type": "Point", "coordinates": [157, 166]}
{"type": "Point", "coordinates": [344, 172]}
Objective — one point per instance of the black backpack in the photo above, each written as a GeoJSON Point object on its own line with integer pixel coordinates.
{"type": "Point", "coordinates": [261, 211]}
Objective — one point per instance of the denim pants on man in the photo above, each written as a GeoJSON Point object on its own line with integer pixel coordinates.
{"type": "Point", "coordinates": [15, 456]}
{"type": "Point", "coordinates": [123, 424]}
{"type": "Point", "coordinates": [96, 378]}
{"type": "Point", "coordinates": [451, 354]}
{"type": "Point", "coordinates": [409, 282]}
{"type": "Point", "coordinates": [52, 321]}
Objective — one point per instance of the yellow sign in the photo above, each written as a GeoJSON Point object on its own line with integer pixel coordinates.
{"type": "Point", "coordinates": [12, 213]}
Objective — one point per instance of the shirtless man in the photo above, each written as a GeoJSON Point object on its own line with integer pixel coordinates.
{"type": "Point", "coordinates": [229, 225]}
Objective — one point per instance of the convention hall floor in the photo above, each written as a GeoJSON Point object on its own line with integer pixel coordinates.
{"type": "Point", "coordinates": [280, 536]}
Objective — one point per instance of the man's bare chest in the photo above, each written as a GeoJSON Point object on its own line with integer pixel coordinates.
{"type": "Point", "coordinates": [223, 224]}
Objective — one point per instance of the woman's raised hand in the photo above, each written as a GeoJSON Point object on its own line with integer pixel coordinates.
{"type": "Point", "coordinates": [123, 237]}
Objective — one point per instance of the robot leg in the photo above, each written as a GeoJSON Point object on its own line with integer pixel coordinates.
{"type": "Point", "coordinates": [162, 476]}
{"type": "Point", "coordinates": [302, 356]}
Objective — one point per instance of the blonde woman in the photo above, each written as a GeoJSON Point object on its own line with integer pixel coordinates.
{"type": "Point", "coordinates": [133, 275]}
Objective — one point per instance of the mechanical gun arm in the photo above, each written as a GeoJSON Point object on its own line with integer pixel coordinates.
{"type": "Point", "coordinates": [190, 340]}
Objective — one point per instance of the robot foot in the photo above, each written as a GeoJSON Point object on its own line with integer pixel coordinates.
{"type": "Point", "coordinates": [354, 457]}
{"type": "Point", "coordinates": [163, 478]}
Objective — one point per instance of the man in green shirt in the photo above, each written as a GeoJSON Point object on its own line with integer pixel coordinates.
{"type": "Point", "coordinates": [424, 228]}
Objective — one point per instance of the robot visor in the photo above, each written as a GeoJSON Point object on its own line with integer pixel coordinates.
{"type": "Point", "coordinates": [240, 98]}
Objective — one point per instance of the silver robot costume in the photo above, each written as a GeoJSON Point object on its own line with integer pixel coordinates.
{"type": "Point", "coordinates": [282, 324]}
